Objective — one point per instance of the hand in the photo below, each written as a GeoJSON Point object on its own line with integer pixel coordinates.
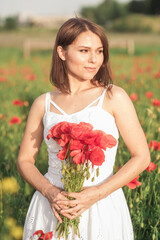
{"type": "Point", "coordinates": [53, 194]}
{"type": "Point", "coordinates": [82, 201]}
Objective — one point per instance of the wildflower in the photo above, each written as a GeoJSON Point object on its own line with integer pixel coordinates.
{"type": "Point", "coordinates": [3, 79]}
{"type": "Point", "coordinates": [43, 236]}
{"type": "Point", "coordinates": [31, 77]}
{"type": "Point", "coordinates": [149, 94]}
{"type": "Point", "coordinates": [156, 102]}
{"type": "Point", "coordinates": [152, 166]}
{"type": "Point", "coordinates": [15, 120]}
{"type": "Point", "coordinates": [10, 185]}
{"type": "Point", "coordinates": [134, 96]}
{"type": "Point", "coordinates": [17, 232]}
{"type": "Point", "coordinates": [26, 103]}
{"type": "Point", "coordinates": [157, 75]}
{"type": "Point", "coordinates": [134, 183]}
{"type": "Point", "coordinates": [2, 116]}
{"type": "Point", "coordinates": [148, 69]}
{"type": "Point", "coordinates": [17, 102]}
{"type": "Point", "coordinates": [10, 222]}
{"type": "Point", "coordinates": [155, 145]}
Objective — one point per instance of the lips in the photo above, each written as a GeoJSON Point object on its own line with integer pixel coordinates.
{"type": "Point", "coordinates": [90, 69]}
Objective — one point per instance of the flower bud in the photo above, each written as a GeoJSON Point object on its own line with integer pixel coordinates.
{"type": "Point", "coordinates": [92, 180]}
{"type": "Point", "coordinates": [97, 172]}
{"type": "Point", "coordinates": [78, 167]}
{"type": "Point", "coordinates": [72, 171]}
{"type": "Point", "coordinates": [88, 175]}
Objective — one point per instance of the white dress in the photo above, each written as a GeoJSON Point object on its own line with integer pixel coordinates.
{"type": "Point", "coordinates": [107, 219]}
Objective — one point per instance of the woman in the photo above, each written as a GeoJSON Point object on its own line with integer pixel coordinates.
{"type": "Point", "coordinates": [80, 71]}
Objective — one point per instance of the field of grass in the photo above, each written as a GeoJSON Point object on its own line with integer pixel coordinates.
{"type": "Point", "coordinates": [24, 80]}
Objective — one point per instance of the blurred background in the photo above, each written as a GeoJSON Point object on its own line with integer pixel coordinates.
{"type": "Point", "coordinates": [138, 20]}
{"type": "Point", "coordinates": [27, 33]}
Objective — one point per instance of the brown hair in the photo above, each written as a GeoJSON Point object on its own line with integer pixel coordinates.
{"type": "Point", "coordinates": [68, 32]}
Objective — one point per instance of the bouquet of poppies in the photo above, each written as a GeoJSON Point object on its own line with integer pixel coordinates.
{"type": "Point", "coordinates": [81, 148]}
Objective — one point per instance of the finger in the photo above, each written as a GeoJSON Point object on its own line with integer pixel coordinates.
{"type": "Point", "coordinates": [70, 203]}
{"type": "Point", "coordinates": [72, 211]}
{"type": "Point", "coordinates": [57, 207]}
{"type": "Point", "coordinates": [59, 197]}
{"type": "Point", "coordinates": [60, 207]}
{"type": "Point", "coordinates": [72, 194]}
{"type": "Point", "coordinates": [57, 215]}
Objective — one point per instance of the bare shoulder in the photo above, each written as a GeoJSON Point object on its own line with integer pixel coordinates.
{"type": "Point", "coordinates": [38, 105]}
{"type": "Point", "coordinates": [116, 100]}
{"type": "Point", "coordinates": [117, 93]}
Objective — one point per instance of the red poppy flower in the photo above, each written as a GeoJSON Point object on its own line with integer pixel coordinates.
{"type": "Point", "coordinates": [17, 102]}
{"type": "Point", "coordinates": [148, 69]}
{"type": "Point", "coordinates": [3, 79]}
{"type": "Point", "coordinates": [104, 140]}
{"type": "Point", "coordinates": [79, 157]}
{"type": "Point", "coordinates": [43, 236]}
{"type": "Point", "coordinates": [2, 116]}
{"type": "Point", "coordinates": [156, 102]}
{"type": "Point", "coordinates": [77, 131]}
{"type": "Point", "coordinates": [76, 144]}
{"type": "Point", "coordinates": [65, 138]}
{"type": "Point", "coordinates": [155, 145]}
{"type": "Point", "coordinates": [97, 156]}
{"type": "Point", "coordinates": [139, 70]}
{"type": "Point", "coordinates": [31, 77]}
{"type": "Point", "coordinates": [152, 166]}
{"type": "Point", "coordinates": [15, 120]}
{"type": "Point", "coordinates": [134, 183]}
{"type": "Point", "coordinates": [62, 153]}
{"type": "Point", "coordinates": [149, 94]}
{"type": "Point", "coordinates": [134, 96]}
{"type": "Point", "coordinates": [157, 75]}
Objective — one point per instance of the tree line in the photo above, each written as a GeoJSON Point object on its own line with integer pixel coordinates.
{"type": "Point", "coordinates": [110, 10]}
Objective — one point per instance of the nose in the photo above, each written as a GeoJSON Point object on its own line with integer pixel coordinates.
{"type": "Point", "coordinates": [92, 57]}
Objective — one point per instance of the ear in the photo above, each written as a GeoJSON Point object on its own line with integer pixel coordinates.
{"type": "Point", "coordinates": [61, 53]}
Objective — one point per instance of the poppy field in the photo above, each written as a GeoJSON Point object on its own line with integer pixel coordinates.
{"type": "Point", "coordinates": [22, 80]}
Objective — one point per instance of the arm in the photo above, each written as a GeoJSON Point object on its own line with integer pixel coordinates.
{"type": "Point", "coordinates": [134, 138]}
{"type": "Point", "coordinates": [29, 148]}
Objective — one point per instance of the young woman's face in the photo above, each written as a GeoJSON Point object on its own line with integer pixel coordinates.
{"type": "Point", "coordinates": [84, 57]}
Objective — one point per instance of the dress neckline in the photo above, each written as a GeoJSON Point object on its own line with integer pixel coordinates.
{"type": "Point", "coordinates": [100, 98]}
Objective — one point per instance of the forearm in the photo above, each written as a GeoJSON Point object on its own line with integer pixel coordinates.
{"type": "Point", "coordinates": [126, 174]}
{"type": "Point", "coordinates": [33, 176]}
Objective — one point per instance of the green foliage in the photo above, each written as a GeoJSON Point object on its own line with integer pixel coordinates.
{"type": "Point", "coordinates": [104, 12]}
{"type": "Point", "coordinates": [144, 6]}
{"type": "Point", "coordinates": [136, 23]}
{"type": "Point", "coordinates": [11, 23]}
{"type": "Point", "coordinates": [136, 74]}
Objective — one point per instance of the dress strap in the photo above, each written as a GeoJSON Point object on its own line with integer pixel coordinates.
{"type": "Point", "coordinates": [56, 106]}
{"type": "Point", "coordinates": [47, 102]}
{"type": "Point", "coordinates": [100, 103]}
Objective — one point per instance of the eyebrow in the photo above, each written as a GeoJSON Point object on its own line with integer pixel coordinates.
{"type": "Point", "coordinates": [89, 47]}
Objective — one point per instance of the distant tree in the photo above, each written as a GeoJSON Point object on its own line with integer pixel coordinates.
{"type": "Point", "coordinates": [11, 23]}
{"type": "Point", "coordinates": [153, 6]}
{"type": "Point", "coordinates": [136, 6]}
{"type": "Point", "coordinates": [144, 6]}
{"type": "Point", "coordinates": [104, 12]}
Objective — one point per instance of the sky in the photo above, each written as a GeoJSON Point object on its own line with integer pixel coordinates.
{"type": "Point", "coordinates": [45, 7]}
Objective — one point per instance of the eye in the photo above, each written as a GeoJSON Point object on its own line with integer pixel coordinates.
{"type": "Point", "coordinates": [100, 51]}
{"type": "Point", "coordinates": [83, 50]}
